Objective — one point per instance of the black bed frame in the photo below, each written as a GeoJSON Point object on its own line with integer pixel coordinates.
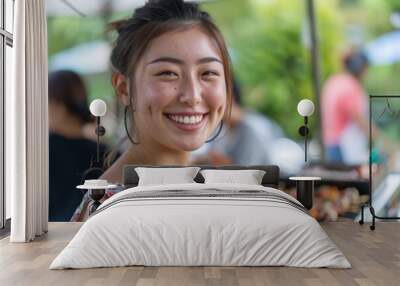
{"type": "Point", "coordinates": [270, 179]}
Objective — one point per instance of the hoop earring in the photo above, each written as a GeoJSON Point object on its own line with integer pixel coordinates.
{"type": "Point", "coordinates": [216, 135]}
{"type": "Point", "coordinates": [126, 127]}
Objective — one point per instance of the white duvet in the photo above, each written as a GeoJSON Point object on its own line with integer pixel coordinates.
{"type": "Point", "coordinates": [222, 225]}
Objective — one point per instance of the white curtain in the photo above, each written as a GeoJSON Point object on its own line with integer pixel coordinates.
{"type": "Point", "coordinates": [27, 124]}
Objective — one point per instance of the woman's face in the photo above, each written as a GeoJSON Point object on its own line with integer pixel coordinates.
{"type": "Point", "coordinates": [180, 92]}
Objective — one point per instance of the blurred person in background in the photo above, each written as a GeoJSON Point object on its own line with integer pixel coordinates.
{"type": "Point", "coordinates": [70, 152]}
{"type": "Point", "coordinates": [344, 106]}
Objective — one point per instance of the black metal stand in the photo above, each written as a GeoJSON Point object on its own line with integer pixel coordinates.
{"type": "Point", "coordinates": [305, 138]}
{"type": "Point", "coordinates": [95, 171]}
{"type": "Point", "coordinates": [374, 216]}
{"type": "Point", "coordinates": [305, 193]}
{"type": "Point", "coordinates": [369, 204]}
{"type": "Point", "coordinates": [305, 190]}
{"type": "Point", "coordinates": [304, 131]}
{"type": "Point", "coordinates": [96, 195]}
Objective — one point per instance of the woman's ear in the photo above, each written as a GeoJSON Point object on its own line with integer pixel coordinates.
{"type": "Point", "coordinates": [121, 87]}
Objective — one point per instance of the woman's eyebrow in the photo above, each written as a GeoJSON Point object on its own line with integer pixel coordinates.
{"type": "Point", "coordinates": [181, 62]}
{"type": "Point", "coordinates": [166, 59]}
{"type": "Point", "coordinates": [209, 60]}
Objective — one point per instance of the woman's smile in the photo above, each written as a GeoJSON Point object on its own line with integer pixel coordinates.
{"type": "Point", "coordinates": [187, 121]}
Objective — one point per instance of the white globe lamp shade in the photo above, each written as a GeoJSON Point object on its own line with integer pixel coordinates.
{"type": "Point", "coordinates": [305, 107]}
{"type": "Point", "coordinates": [98, 107]}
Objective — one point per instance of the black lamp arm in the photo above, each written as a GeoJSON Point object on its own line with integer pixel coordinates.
{"type": "Point", "coordinates": [98, 138]}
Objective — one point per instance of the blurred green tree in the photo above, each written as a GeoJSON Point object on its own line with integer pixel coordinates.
{"type": "Point", "coordinates": [271, 55]}
{"type": "Point", "coordinates": [67, 32]}
{"type": "Point", "coordinates": [394, 5]}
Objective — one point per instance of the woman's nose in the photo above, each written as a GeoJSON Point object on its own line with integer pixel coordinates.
{"type": "Point", "coordinates": [191, 92]}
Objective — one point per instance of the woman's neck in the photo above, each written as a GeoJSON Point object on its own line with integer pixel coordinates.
{"type": "Point", "coordinates": [144, 154]}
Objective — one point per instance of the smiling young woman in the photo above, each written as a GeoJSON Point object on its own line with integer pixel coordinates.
{"type": "Point", "coordinates": [172, 74]}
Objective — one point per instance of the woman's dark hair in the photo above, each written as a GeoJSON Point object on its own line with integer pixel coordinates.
{"type": "Point", "coordinates": [356, 62]}
{"type": "Point", "coordinates": [67, 87]}
{"type": "Point", "coordinates": [152, 20]}
{"type": "Point", "coordinates": [237, 91]}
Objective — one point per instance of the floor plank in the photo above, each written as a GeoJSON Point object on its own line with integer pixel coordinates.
{"type": "Point", "coordinates": [374, 255]}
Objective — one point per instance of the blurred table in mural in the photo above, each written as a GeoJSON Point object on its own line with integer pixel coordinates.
{"type": "Point", "coordinates": [340, 192]}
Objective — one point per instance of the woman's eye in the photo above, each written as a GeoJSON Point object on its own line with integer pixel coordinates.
{"type": "Point", "coordinates": [167, 74]}
{"type": "Point", "coordinates": [210, 73]}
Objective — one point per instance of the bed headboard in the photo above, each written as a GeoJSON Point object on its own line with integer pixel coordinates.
{"type": "Point", "coordinates": [270, 179]}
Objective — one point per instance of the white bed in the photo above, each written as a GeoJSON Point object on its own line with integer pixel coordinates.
{"type": "Point", "coordinates": [201, 224]}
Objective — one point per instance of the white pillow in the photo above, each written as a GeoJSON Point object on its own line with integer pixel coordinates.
{"type": "Point", "coordinates": [162, 176]}
{"type": "Point", "coordinates": [248, 177]}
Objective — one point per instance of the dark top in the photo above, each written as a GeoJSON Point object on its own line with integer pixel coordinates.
{"type": "Point", "coordinates": [68, 160]}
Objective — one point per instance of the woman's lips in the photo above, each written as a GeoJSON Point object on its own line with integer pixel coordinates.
{"type": "Point", "coordinates": [188, 122]}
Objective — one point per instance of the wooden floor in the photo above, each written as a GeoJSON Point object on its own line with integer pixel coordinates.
{"type": "Point", "coordinates": [374, 255]}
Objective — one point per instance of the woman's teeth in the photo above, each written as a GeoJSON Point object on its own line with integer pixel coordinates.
{"type": "Point", "coordinates": [194, 119]}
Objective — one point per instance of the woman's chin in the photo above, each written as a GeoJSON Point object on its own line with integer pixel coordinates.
{"type": "Point", "coordinates": [190, 147]}
{"type": "Point", "coordinates": [187, 145]}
